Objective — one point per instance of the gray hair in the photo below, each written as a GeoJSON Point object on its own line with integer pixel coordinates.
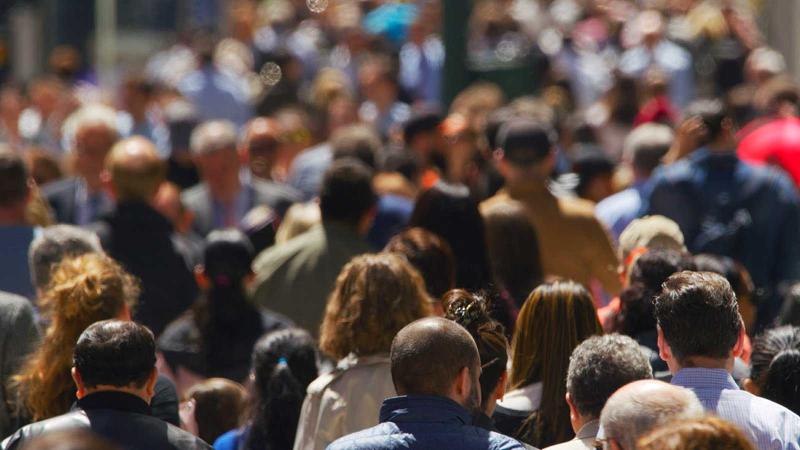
{"type": "Point", "coordinates": [646, 145]}
{"type": "Point", "coordinates": [91, 114]}
{"type": "Point", "coordinates": [213, 136]}
{"type": "Point", "coordinates": [639, 408]}
{"type": "Point", "coordinates": [599, 366]}
{"type": "Point", "coordinates": [53, 245]}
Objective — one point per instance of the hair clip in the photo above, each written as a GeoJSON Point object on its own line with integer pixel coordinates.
{"type": "Point", "coordinates": [282, 361]}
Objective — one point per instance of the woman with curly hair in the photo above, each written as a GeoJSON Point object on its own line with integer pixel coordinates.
{"type": "Point", "coordinates": [375, 296]}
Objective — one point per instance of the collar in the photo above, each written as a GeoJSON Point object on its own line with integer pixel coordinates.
{"type": "Point", "coordinates": [119, 401]}
{"type": "Point", "coordinates": [424, 408]}
{"type": "Point", "coordinates": [588, 430]}
{"type": "Point", "coordinates": [701, 378]}
{"type": "Point", "coordinates": [353, 360]}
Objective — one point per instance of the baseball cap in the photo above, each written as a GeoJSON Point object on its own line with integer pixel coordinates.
{"type": "Point", "coordinates": [525, 142]}
{"type": "Point", "coordinates": [652, 232]}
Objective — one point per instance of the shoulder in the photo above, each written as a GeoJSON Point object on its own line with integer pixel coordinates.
{"type": "Point", "coordinates": [183, 440]}
{"type": "Point", "coordinates": [382, 436]}
{"type": "Point", "coordinates": [59, 188]}
{"type": "Point", "coordinates": [499, 441]}
{"type": "Point", "coordinates": [13, 306]}
{"type": "Point", "coordinates": [272, 189]}
{"type": "Point", "coordinates": [69, 421]}
{"type": "Point", "coordinates": [229, 440]}
{"type": "Point", "coordinates": [278, 254]}
{"type": "Point", "coordinates": [576, 207]}
{"type": "Point", "coordinates": [195, 193]}
{"type": "Point", "coordinates": [574, 444]}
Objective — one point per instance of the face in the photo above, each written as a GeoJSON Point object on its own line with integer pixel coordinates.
{"type": "Point", "coordinates": [219, 169]}
{"type": "Point", "coordinates": [261, 153]}
{"type": "Point", "coordinates": [92, 144]}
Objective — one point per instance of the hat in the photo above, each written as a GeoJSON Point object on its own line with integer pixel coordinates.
{"type": "Point", "coordinates": [525, 142]}
{"type": "Point", "coordinates": [652, 232]}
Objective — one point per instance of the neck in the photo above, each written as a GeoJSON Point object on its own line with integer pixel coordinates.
{"type": "Point", "coordinates": [704, 362]}
{"type": "Point", "coordinates": [141, 393]}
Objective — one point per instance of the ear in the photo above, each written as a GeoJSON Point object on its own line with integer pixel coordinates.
{"type": "Point", "coordinates": [108, 185]}
{"type": "Point", "coordinates": [150, 387]}
{"type": "Point", "coordinates": [573, 411]}
{"type": "Point", "coordinates": [201, 278]}
{"type": "Point", "coordinates": [738, 349]}
{"type": "Point", "coordinates": [663, 348]}
{"type": "Point", "coordinates": [81, 389]}
{"type": "Point", "coordinates": [500, 390]}
{"type": "Point", "coordinates": [750, 386]}
{"type": "Point", "coordinates": [463, 384]}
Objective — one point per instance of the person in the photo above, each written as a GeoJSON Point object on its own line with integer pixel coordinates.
{"type": "Point", "coordinates": [284, 364]}
{"type": "Point", "coordinates": [740, 281]}
{"type": "Point", "coordinates": [69, 440]}
{"type": "Point", "coordinates": [727, 207]}
{"type": "Point", "coordinates": [216, 335]}
{"type": "Point", "coordinates": [258, 147]}
{"type": "Point", "coordinates": [641, 406]}
{"type": "Point", "coordinates": [16, 233]}
{"type": "Point", "coordinates": [53, 245]}
{"type": "Point", "coordinates": [223, 199]}
{"type": "Point", "coordinates": [136, 235]}
{"type": "Point", "coordinates": [471, 312]}
{"type": "Point", "coordinates": [430, 255]}
{"type": "Point", "coordinates": [598, 367]}
{"type": "Point", "coordinates": [555, 318]}
{"type": "Point", "coordinates": [375, 296]}
{"type": "Point", "coordinates": [300, 218]}
{"type": "Point", "coordinates": [642, 152]}
{"type": "Point", "coordinates": [213, 407]}
{"type": "Point", "coordinates": [594, 170]}
{"type": "Point", "coordinates": [115, 374]}
{"type": "Point", "coordinates": [90, 132]}
{"type": "Point", "coordinates": [435, 368]}
{"type": "Point", "coordinates": [696, 434]}
{"type": "Point", "coordinates": [775, 362]}
{"type": "Point", "coordinates": [19, 335]}
{"type": "Point", "coordinates": [295, 278]}
{"type": "Point", "coordinates": [700, 333]}
{"type": "Point", "coordinates": [573, 244]}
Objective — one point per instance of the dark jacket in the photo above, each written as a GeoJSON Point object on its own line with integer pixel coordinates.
{"type": "Point", "coordinates": [123, 419]}
{"type": "Point", "coordinates": [142, 240]}
{"type": "Point", "coordinates": [19, 335]}
{"type": "Point", "coordinates": [62, 196]}
{"type": "Point", "coordinates": [422, 423]}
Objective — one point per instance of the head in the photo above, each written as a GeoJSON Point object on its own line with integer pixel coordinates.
{"type": "Point", "coordinates": [422, 134]}
{"type": "Point", "coordinates": [515, 262]}
{"type": "Point", "coordinates": [719, 124]}
{"type": "Point", "coordinates": [213, 147]}
{"type": "Point", "coordinates": [359, 142]}
{"type": "Point", "coordinates": [227, 259]}
{"type": "Point", "coordinates": [696, 434]}
{"type": "Point", "coordinates": [258, 146]}
{"type": "Point", "coordinates": [645, 146]}
{"type": "Point", "coordinates": [436, 356]}
{"type": "Point", "coordinates": [555, 318]}
{"type": "Point", "coordinates": [90, 132]}
{"type": "Point", "coordinates": [650, 232]}
{"type": "Point", "coordinates": [471, 311]}
{"type": "Point", "coordinates": [595, 171]}
{"type": "Point", "coordinates": [75, 439]}
{"type": "Point", "coordinates": [739, 278]}
{"type": "Point", "coordinates": [597, 368]}
{"type": "Point", "coordinates": [347, 196]}
{"type": "Point", "coordinates": [115, 355]}
{"type": "Point", "coordinates": [430, 255]}
{"type": "Point", "coordinates": [375, 296]}
{"type": "Point", "coordinates": [15, 187]}
{"type": "Point", "coordinates": [217, 406]}
{"type": "Point", "coordinates": [775, 373]}
{"type": "Point", "coordinates": [133, 170]}
{"type": "Point", "coordinates": [699, 324]}
{"type": "Point", "coordinates": [525, 150]}
{"type": "Point", "coordinates": [54, 244]}
{"type": "Point", "coordinates": [298, 219]}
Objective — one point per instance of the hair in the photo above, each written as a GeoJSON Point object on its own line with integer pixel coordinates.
{"type": "Point", "coordinates": [94, 114]}
{"type": "Point", "coordinates": [599, 366]}
{"type": "Point", "coordinates": [219, 406]}
{"type": "Point", "coordinates": [736, 274]}
{"type": "Point", "coordinates": [70, 439]}
{"type": "Point", "coordinates": [450, 211]}
{"type": "Point", "coordinates": [14, 178]}
{"type": "Point", "coordinates": [712, 113]}
{"type": "Point", "coordinates": [555, 318]}
{"type": "Point", "coordinates": [115, 353]}
{"type": "Point", "coordinates": [516, 264]}
{"type": "Point", "coordinates": [44, 167]}
{"type": "Point", "coordinates": [696, 434]}
{"type": "Point", "coordinates": [525, 142]}
{"type": "Point", "coordinates": [472, 312]}
{"type": "Point", "coordinates": [298, 219]}
{"type": "Point", "coordinates": [284, 364]}
{"type": "Point", "coordinates": [776, 366]}
{"type": "Point", "coordinates": [422, 121]}
{"type": "Point", "coordinates": [646, 145]}
{"type": "Point", "coordinates": [699, 315]}
{"type": "Point", "coordinates": [427, 356]}
{"type": "Point", "coordinates": [375, 296]}
{"type": "Point", "coordinates": [135, 177]}
{"type": "Point", "coordinates": [346, 193]}
{"type": "Point", "coordinates": [632, 411]}
{"type": "Point", "coordinates": [359, 142]}
{"type": "Point", "coordinates": [54, 244]}
{"type": "Point", "coordinates": [213, 136]}
{"type": "Point", "coordinates": [430, 255]}
{"type": "Point", "coordinates": [82, 291]}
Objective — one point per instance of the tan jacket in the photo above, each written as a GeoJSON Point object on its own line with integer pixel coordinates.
{"type": "Point", "coordinates": [344, 401]}
{"type": "Point", "coordinates": [572, 243]}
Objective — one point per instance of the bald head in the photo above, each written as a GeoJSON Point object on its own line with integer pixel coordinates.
{"type": "Point", "coordinates": [135, 170]}
{"type": "Point", "coordinates": [639, 407]}
{"type": "Point", "coordinates": [260, 145]}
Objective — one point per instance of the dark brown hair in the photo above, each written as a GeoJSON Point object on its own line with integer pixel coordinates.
{"type": "Point", "coordinates": [697, 434]}
{"type": "Point", "coordinates": [430, 255]}
{"type": "Point", "coordinates": [219, 406]}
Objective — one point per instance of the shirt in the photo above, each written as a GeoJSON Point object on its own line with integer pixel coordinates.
{"type": "Point", "coordinates": [768, 425]}
{"type": "Point", "coordinates": [618, 211]}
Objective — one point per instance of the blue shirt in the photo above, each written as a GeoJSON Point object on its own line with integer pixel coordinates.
{"type": "Point", "coordinates": [618, 211]}
{"type": "Point", "coordinates": [232, 440]}
{"type": "Point", "coordinates": [217, 95]}
{"type": "Point", "coordinates": [672, 59]}
{"type": "Point", "coordinates": [15, 275]}
{"type": "Point", "coordinates": [768, 425]}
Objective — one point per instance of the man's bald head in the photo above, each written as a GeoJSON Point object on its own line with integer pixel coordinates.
{"type": "Point", "coordinates": [639, 407]}
{"type": "Point", "coordinates": [135, 170]}
{"type": "Point", "coordinates": [428, 355]}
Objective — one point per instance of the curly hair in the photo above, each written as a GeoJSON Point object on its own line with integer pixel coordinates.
{"type": "Point", "coordinates": [82, 291]}
{"type": "Point", "coordinates": [375, 296]}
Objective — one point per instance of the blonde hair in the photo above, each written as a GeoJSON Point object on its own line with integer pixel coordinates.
{"type": "Point", "coordinates": [82, 291]}
{"type": "Point", "coordinates": [135, 168]}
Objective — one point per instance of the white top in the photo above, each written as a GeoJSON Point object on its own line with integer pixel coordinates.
{"type": "Point", "coordinates": [526, 398]}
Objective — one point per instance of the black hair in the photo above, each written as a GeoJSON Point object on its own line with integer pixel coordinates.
{"type": "Point", "coordinates": [115, 353]}
{"type": "Point", "coordinates": [734, 272]}
{"type": "Point", "coordinates": [346, 193]}
{"type": "Point", "coordinates": [284, 363]}
{"type": "Point", "coordinates": [589, 162]}
{"type": "Point", "coordinates": [430, 255]}
{"type": "Point", "coordinates": [776, 366]}
{"type": "Point", "coordinates": [13, 178]}
{"type": "Point", "coordinates": [712, 113]}
{"type": "Point", "coordinates": [423, 121]}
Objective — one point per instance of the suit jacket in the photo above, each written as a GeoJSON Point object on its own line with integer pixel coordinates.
{"type": "Point", "coordinates": [584, 439]}
{"type": "Point", "coordinates": [19, 334]}
{"type": "Point", "coordinates": [62, 196]}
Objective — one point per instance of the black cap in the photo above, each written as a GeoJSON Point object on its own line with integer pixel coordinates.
{"type": "Point", "coordinates": [525, 142]}
{"type": "Point", "coordinates": [422, 120]}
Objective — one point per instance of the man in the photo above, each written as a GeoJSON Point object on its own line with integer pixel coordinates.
{"type": "Point", "coordinates": [727, 207]}
{"type": "Point", "coordinates": [642, 406]}
{"type": "Point", "coordinates": [435, 369]}
{"type": "Point", "coordinates": [573, 243]}
{"type": "Point", "coordinates": [140, 238]}
{"type": "Point", "coordinates": [54, 244]}
{"type": "Point", "coordinates": [598, 367]}
{"type": "Point", "coordinates": [223, 199]}
{"type": "Point", "coordinates": [19, 336]}
{"type": "Point", "coordinates": [642, 152]}
{"type": "Point", "coordinates": [115, 374]}
{"type": "Point", "coordinates": [700, 333]}
{"type": "Point", "coordinates": [90, 132]}
{"type": "Point", "coordinates": [259, 146]}
{"type": "Point", "coordinates": [295, 278]}
{"type": "Point", "coordinates": [15, 232]}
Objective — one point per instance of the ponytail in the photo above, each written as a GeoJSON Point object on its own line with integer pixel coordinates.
{"type": "Point", "coordinates": [782, 380]}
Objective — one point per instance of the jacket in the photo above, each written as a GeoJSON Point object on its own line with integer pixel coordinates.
{"type": "Point", "coordinates": [68, 200]}
{"type": "Point", "coordinates": [584, 438]}
{"type": "Point", "coordinates": [123, 419]}
{"type": "Point", "coordinates": [344, 401]}
{"type": "Point", "coordinates": [424, 423]}
{"type": "Point", "coordinates": [19, 335]}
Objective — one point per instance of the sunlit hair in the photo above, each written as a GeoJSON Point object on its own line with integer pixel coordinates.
{"type": "Point", "coordinates": [82, 291]}
{"type": "Point", "coordinates": [697, 434]}
{"type": "Point", "coordinates": [555, 318]}
{"type": "Point", "coordinates": [375, 296]}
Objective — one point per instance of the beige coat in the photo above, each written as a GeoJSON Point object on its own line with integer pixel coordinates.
{"type": "Point", "coordinates": [344, 401]}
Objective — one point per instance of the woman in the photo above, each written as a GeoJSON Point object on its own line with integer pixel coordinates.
{"type": "Point", "coordinates": [284, 363]}
{"type": "Point", "coordinates": [212, 408]}
{"type": "Point", "coordinates": [553, 321]}
{"type": "Point", "coordinates": [375, 296]}
{"type": "Point", "coordinates": [696, 434]}
{"type": "Point", "coordinates": [216, 336]}
{"type": "Point", "coordinates": [775, 373]}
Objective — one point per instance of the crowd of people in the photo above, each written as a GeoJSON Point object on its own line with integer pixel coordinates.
{"type": "Point", "coordinates": [285, 237]}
